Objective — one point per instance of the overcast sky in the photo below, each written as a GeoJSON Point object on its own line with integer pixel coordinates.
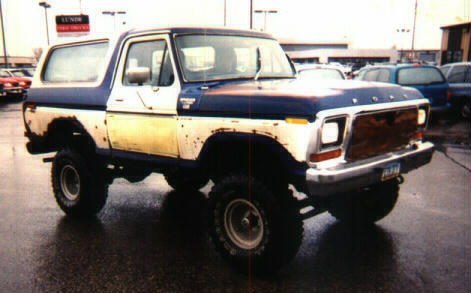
{"type": "Point", "coordinates": [361, 23]}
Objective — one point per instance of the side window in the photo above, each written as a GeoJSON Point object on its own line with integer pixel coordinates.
{"type": "Point", "coordinates": [445, 69]}
{"type": "Point", "coordinates": [383, 75]}
{"type": "Point", "coordinates": [79, 63]}
{"type": "Point", "coordinates": [371, 75]}
{"type": "Point", "coordinates": [458, 74]}
{"type": "Point", "coordinates": [153, 57]}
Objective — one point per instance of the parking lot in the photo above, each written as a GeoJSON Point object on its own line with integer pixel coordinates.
{"type": "Point", "coordinates": [149, 238]}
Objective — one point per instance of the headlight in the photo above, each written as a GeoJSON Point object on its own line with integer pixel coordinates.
{"type": "Point", "coordinates": [330, 132]}
{"type": "Point", "coordinates": [22, 83]}
{"type": "Point", "coordinates": [8, 84]}
{"type": "Point", "coordinates": [421, 117]}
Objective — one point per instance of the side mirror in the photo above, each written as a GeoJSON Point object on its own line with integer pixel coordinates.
{"type": "Point", "coordinates": [139, 75]}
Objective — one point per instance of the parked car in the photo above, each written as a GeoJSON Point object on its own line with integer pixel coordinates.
{"type": "Point", "coordinates": [23, 72]}
{"type": "Point", "coordinates": [319, 71]}
{"type": "Point", "coordinates": [429, 80]}
{"type": "Point", "coordinates": [11, 87]}
{"type": "Point", "coordinates": [19, 76]}
{"type": "Point", "coordinates": [458, 76]}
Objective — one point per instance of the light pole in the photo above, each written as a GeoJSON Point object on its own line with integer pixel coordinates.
{"type": "Point", "coordinates": [225, 7]}
{"type": "Point", "coordinates": [251, 14]}
{"type": "Point", "coordinates": [46, 6]}
{"type": "Point", "coordinates": [265, 12]}
{"type": "Point", "coordinates": [113, 13]}
{"type": "Point", "coordinates": [3, 37]}
{"type": "Point", "coordinates": [402, 30]}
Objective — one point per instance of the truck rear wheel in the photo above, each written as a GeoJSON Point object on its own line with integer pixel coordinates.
{"type": "Point", "coordinates": [251, 227]}
{"type": "Point", "coordinates": [368, 205]}
{"type": "Point", "coordinates": [78, 183]}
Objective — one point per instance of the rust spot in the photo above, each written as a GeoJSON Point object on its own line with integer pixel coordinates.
{"type": "Point", "coordinates": [235, 121]}
{"type": "Point", "coordinates": [222, 129]}
{"type": "Point", "coordinates": [104, 139]}
{"type": "Point", "coordinates": [96, 126]}
{"type": "Point", "coordinates": [275, 124]}
{"type": "Point", "coordinates": [263, 132]}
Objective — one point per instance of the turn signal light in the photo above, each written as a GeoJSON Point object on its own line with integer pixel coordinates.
{"type": "Point", "coordinates": [417, 135]}
{"type": "Point", "coordinates": [325, 156]}
{"type": "Point", "coordinates": [296, 121]}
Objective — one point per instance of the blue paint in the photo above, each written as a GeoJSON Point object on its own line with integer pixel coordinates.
{"type": "Point", "coordinates": [278, 99]}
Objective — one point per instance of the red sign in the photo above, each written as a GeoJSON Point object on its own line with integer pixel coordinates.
{"type": "Point", "coordinates": [68, 28]}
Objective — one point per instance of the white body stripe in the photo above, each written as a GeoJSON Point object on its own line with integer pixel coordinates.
{"type": "Point", "coordinates": [193, 132]}
{"type": "Point", "coordinates": [93, 121]}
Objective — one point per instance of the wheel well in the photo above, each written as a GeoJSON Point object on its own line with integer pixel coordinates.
{"type": "Point", "coordinates": [258, 155]}
{"type": "Point", "coordinates": [69, 132]}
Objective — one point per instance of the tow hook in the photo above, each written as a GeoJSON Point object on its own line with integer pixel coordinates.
{"type": "Point", "coordinates": [400, 179]}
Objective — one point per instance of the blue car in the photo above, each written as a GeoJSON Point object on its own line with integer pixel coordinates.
{"type": "Point", "coordinates": [429, 80]}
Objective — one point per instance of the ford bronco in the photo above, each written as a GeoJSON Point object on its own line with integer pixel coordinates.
{"type": "Point", "coordinates": [223, 105]}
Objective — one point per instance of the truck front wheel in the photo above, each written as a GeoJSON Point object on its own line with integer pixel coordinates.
{"type": "Point", "coordinates": [251, 227]}
{"type": "Point", "coordinates": [78, 182]}
{"type": "Point", "coordinates": [368, 205]}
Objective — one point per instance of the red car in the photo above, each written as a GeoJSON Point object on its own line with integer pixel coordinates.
{"type": "Point", "coordinates": [23, 81]}
{"type": "Point", "coordinates": [11, 86]}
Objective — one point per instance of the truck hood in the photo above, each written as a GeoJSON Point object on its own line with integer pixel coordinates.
{"type": "Point", "coordinates": [278, 99]}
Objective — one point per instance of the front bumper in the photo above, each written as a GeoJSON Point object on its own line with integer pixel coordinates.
{"type": "Point", "coordinates": [14, 91]}
{"type": "Point", "coordinates": [347, 177]}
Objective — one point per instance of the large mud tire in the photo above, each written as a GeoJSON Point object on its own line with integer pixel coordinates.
{"type": "Point", "coordinates": [252, 228]}
{"type": "Point", "coordinates": [79, 183]}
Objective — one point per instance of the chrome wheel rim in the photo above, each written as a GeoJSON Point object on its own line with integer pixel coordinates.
{"type": "Point", "coordinates": [70, 182]}
{"type": "Point", "coordinates": [243, 224]}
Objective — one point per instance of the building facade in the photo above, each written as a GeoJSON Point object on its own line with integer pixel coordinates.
{"type": "Point", "coordinates": [455, 43]}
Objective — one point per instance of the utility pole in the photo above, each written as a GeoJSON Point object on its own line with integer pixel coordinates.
{"type": "Point", "coordinates": [413, 30]}
{"type": "Point", "coordinates": [3, 37]}
{"type": "Point", "coordinates": [46, 5]}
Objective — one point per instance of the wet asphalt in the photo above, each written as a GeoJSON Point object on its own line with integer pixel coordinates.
{"type": "Point", "coordinates": [149, 238]}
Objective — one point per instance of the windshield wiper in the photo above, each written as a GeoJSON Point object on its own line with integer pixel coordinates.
{"type": "Point", "coordinates": [259, 64]}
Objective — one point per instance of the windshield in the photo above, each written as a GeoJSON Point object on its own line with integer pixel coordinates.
{"type": "Point", "coordinates": [321, 73]}
{"type": "Point", "coordinates": [18, 73]}
{"type": "Point", "coordinates": [419, 75]}
{"type": "Point", "coordinates": [215, 57]}
{"type": "Point", "coordinates": [4, 74]}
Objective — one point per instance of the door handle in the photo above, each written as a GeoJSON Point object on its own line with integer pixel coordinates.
{"type": "Point", "coordinates": [119, 99]}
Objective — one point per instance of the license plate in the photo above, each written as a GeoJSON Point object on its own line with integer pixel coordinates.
{"type": "Point", "coordinates": [391, 170]}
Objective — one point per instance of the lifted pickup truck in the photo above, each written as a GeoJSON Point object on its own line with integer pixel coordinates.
{"type": "Point", "coordinates": [223, 105]}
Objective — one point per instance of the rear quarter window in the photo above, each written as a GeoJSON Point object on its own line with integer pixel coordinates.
{"type": "Point", "coordinates": [419, 75]}
{"type": "Point", "coordinates": [459, 73]}
{"type": "Point", "coordinates": [77, 63]}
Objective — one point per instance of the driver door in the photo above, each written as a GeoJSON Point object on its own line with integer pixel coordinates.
{"type": "Point", "coordinates": [141, 114]}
